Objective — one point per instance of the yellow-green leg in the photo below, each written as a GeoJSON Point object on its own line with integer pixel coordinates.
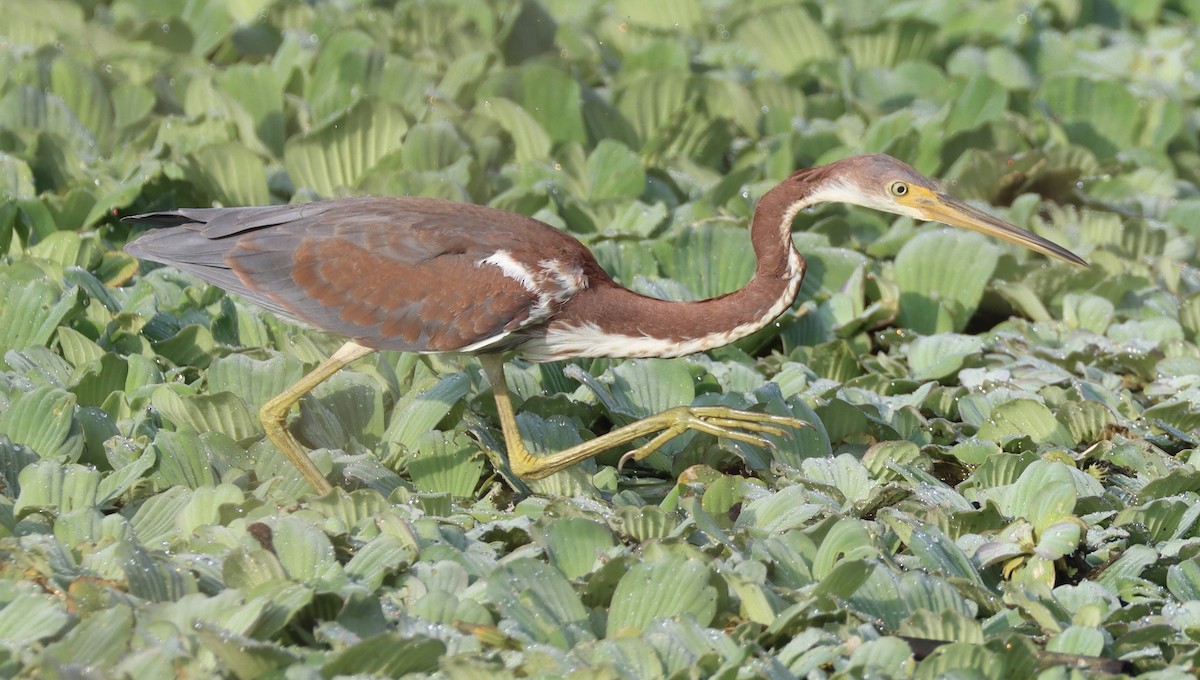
{"type": "Point", "coordinates": [719, 421]}
{"type": "Point", "coordinates": [274, 413]}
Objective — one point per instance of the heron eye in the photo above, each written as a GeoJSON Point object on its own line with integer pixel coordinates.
{"type": "Point", "coordinates": [898, 188]}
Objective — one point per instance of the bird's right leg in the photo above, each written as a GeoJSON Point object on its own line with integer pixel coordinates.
{"type": "Point", "coordinates": [719, 421]}
{"type": "Point", "coordinates": [274, 413]}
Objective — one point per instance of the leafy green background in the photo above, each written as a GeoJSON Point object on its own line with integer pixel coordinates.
{"type": "Point", "coordinates": [1001, 447]}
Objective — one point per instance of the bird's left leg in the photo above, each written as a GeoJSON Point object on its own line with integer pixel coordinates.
{"type": "Point", "coordinates": [720, 421]}
{"type": "Point", "coordinates": [274, 413]}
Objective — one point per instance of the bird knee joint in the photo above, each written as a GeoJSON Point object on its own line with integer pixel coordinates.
{"type": "Point", "coordinates": [271, 414]}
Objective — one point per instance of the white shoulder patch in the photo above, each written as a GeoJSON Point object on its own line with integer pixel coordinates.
{"type": "Point", "coordinates": [512, 269]}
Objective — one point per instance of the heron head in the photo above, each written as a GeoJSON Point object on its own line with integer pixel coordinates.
{"type": "Point", "coordinates": [883, 183]}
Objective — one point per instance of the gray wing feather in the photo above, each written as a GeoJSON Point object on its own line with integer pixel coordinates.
{"type": "Point", "coordinates": [223, 222]}
{"type": "Point", "coordinates": [185, 248]}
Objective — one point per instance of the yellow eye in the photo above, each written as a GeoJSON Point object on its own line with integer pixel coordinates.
{"type": "Point", "coordinates": [898, 188]}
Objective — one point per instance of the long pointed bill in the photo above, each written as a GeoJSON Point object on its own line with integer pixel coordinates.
{"type": "Point", "coordinates": [939, 207]}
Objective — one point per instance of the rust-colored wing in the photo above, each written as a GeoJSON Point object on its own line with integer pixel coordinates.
{"type": "Point", "coordinates": [410, 274]}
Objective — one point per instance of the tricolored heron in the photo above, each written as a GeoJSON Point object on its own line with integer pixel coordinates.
{"type": "Point", "coordinates": [434, 276]}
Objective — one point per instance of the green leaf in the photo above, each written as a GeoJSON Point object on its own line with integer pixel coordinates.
{"type": "Point", "coordinates": [938, 356]}
{"type": "Point", "coordinates": [330, 159]}
{"type": "Point", "coordinates": [670, 15]}
{"type": "Point", "coordinates": [65, 248]}
{"type": "Point", "coordinates": [1088, 312]}
{"type": "Point", "coordinates": [193, 345]}
{"type": "Point", "coordinates": [882, 655]}
{"type": "Point", "coordinates": [845, 542]}
{"type": "Point", "coordinates": [131, 103]}
{"type": "Point", "coordinates": [895, 597]}
{"type": "Point", "coordinates": [77, 348]}
{"type": "Point", "coordinates": [1025, 418]}
{"type": "Point", "coordinates": [650, 101]}
{"type": "Point", "coordinates": [1087, 421]}
{"type": "Point", "coordinates": [845, 579]}
{"type": "Point", "coordinates": [58, 488]}
{"type": "Point", "coordinates": [182, 461]}
{"type": "Point", "coordinates": [445, 463]}
{"type": "Point", "coordinates": [892, 43]}
{"type": "Point", "coordinates": [576, 545]}
{"type": "Point", "coordinates": [643, 387]}
{"type": "Point", "coordinates": [550, 97]}
{"type": "Point", "coordinates": [258, 90]}
{"type": "Point", "coordinates": [432, 146]}
{"type": "Point", "coordinates": [13, 459]}
{"type": "Point", "coordinates": [981, 101]}
{"type": "Point", "coordinates": [85, 94]}
{"type": "Point", "coordinates": [221, 412]}
{"type": "Point", "coordinates": [786, 38]}
{"type": "Point", "coordinates": [637, 219]}
{"type": "Point", "coordinates": [25, 107]}
{"type": "Point", "coordinates": [383, 556]}
{"type": "Point", "coordinates": [16, 179]}
{"type": "Point", "coordinates": [29, 314]}
{"type": "Point", "coordinates": [210, 24]}
{"type": "Point", "coordinates": [881, 458]}
{"type": "Point", "coordinates": [614, 171]}
{"type": "Point", "coordinates": [247, 568]}
{"type": "Point", "coordinates": [230, 173]}
{"type": "Point", "coordinates": [1104, 130]}
{"type": "Point", "coordinates": [1044, 494]}
{"type": "Point", "coordinates": [100, 639]}
{"type": "Point", "coordinates": [808, 442]}
{"type": "Point", "coordinates": [942, 275]}
{"type": "Point", "coordinates": [960, 659]}
{"type": "Point", "coordinates": [974, 451]}
{"type": "Point", "coordinates": [423, 407]}
{"type": "Point", "coordinates": [948, 625]}
{"type": "Point", "coordinates": [1127, 569]}
{"type": "Point", "coordinates": [386, 655]}
{"type": "Point", "coordinates": [709, 259]}
{"type": "Point", "coordinates": [206, 506]}
{"type": "Point", "coordinates": [788, 508]}
{"type": "Point", "coordinates": [661, 589]}
{"type": "Point", "coordinates": [842, 419]}
{"type": "Point", "coordinates": [254, 381]}
{"type": "Point", "coordinates": [941, 555]}
{"type": "Point", "coordinates": [101, 380]}
{"type": "Point", "coordinates": [348, 406]}
{"type": "Point", "coordinates": [1080, 640]}
{"type": "Point", "coordinates": [530, 139]}
{"type": "Point", "coordinates": [40, 366]}
{"type": "Point", "coordinates": [154, 520]}
{"type": "Point", "coordinates": [348, 67]}
{"type": "Point", "coordinates": [244, 657]}
{"type": "Point", "coordinates": [1059, 539]}
{"type": "Point", "coordinates": [1183, 580]}
{"type": "Point", "coordinates": [125, 476]}
{"type": "Point", "coordinates": [362, 506]}
{"type": "Point", "coordinates": [30, 617]}
{"type": "Point", "coordinates": [44, 420]}
{"type": "Point", "coordinates": [303, 550]}
{"type": "Point", "coordinates": [645, 523]}
{"type": "Point", "coordinates": [537, 598]}
{"type": "Point", "coordinates": [844, 473]}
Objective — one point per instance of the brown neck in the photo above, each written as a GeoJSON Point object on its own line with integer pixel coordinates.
{"type": "Point", "coordinates": [608, 320]}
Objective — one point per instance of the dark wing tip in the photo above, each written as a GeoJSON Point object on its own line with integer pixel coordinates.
{"type": "Point", "coordinates": [164, 218]}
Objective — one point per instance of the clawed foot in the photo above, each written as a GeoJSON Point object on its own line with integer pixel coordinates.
{"type": "Point", "coordinates": [719, 421]}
